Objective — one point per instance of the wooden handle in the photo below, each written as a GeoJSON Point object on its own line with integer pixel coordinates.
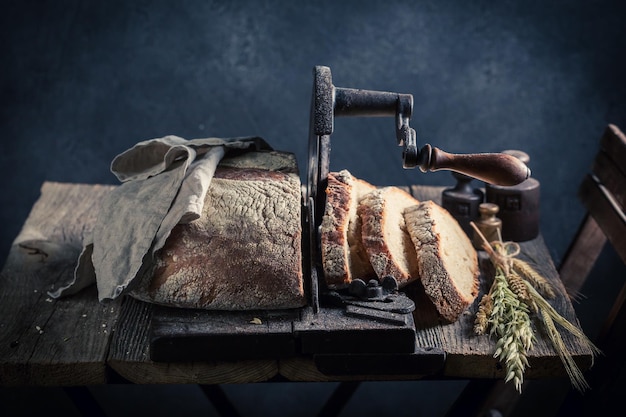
{"type": "Point", "coordinates": [494, 168]}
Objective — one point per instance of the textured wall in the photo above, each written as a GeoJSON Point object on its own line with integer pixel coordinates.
{"type": "Point", "coordinates": [83, 81]}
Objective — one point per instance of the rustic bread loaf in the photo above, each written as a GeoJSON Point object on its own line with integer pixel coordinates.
{"type": "Point", "coordinates": [342, 252]}
{"type": "Point", "coordinates": [447, 262]}
{"type": "Point", "coordinates": [244, 252]}
{"type": "Point", "coordinates": [385, 236]}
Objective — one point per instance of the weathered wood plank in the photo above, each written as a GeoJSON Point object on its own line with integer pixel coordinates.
{"type": "Point", "coordinates": [613, 143]}
{"type": "Point", "coordinates": [611, 176]}
{"type": "Point", "coordinates": [183, 335]}
{"type": "Point", "coordinates": [581, 256]}
{"type": "Point", "coordinates": [45, 341]}
{"type": "Point", "coordinates": [130, 357]}
{"type": "Point", "coordinates": [606, 212]}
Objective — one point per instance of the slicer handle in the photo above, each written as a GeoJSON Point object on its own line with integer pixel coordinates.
{"type": "Point", "coordinates": [494, 168]}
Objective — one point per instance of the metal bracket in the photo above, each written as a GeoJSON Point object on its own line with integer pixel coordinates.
{"type": "Point", "coordinates": [373, 300]}
{"type": "Point", "coordinates": [329, 102]}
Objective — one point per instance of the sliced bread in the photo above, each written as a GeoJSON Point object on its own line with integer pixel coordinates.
{"type": "Point", "coordinates": [447, 261]}
{"type": "Point", "coordinates": [342, 252]}
{"type": "Point", "coordinates": [385, 236]}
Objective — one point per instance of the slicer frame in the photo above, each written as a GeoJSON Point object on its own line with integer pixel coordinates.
{"type": "Point", "coordinates": [328, 102]}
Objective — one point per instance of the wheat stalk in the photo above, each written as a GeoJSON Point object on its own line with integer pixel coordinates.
{"type": "Point", "coordinates": [485, 306]}
{"type": "Point", "coordinates": [510, 323]}
{"type": "Point", "coordinates": [505, 312]}
{"type": "Point", "coordinates": [518, 286]}
{"type": "Point", "coordinates": [538, 281]}
{"type": "Point", "coordinates": [563, 322]}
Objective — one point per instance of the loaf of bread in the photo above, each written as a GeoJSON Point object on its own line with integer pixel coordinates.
{"type": "Point", "coordinates": [385, 236]}
{"type": "Point", "coordinates": [447, 261]}
{"type": "Point", "coordinates": [244, 252]}
{"type": "Point", "coordinates": [342, 252]}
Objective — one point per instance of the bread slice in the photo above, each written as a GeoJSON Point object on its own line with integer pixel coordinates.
{"type": "Point", "coordinates": [385, 236]}
{"type": "Point", "coordinates": [447, 261]}
{"type": "Point", "coordinates": [342, 252]}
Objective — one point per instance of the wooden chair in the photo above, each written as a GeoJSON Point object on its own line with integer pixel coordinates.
{"type": "Point", "coordinates": [603, 193]}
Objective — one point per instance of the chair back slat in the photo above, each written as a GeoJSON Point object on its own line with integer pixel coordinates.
{"type": "Point", "coordinates": [603, 191]}
{"type": "Point", "coordinates": [610, 164]}
{"type": "Point", "coordinates": [581, 256]}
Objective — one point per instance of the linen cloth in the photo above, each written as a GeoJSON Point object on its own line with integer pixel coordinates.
{"type": "Point", "coordinates": [164, 182]}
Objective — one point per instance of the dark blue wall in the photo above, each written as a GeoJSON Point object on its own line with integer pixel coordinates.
{"type": "Point", "coordinates": [83, 81]}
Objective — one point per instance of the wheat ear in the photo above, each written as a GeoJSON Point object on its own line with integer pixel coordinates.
{"type": "Point", "coordinates": [539, 282]}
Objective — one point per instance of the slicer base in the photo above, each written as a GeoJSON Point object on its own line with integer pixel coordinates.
{"type": "Point", "coordinates": [340, 342]}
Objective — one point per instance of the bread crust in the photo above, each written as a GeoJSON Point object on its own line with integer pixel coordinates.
{"type": "Point", "coordinates": [244, 252]}
{"type": "Point", "coordinates": [384, 234]}
{"type": "Point", "coordinates": [342, 252]}
{"type": "Point", "coordinates": [448, 263]}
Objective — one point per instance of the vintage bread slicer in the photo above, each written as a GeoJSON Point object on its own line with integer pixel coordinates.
{"type": "Point", "coordinates": [369, 327]}
{"type": "Point", "coordinates": [329, 102]}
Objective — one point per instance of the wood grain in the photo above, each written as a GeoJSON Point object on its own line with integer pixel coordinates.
{"type": "Point", "coordinates": [45, 341]}
{"type": "Point", "coordinates": [581, 256]}
{"type": "Point", "coordinates": [606, 212]}
{"type": "Point", "coordinates": [130, 357]}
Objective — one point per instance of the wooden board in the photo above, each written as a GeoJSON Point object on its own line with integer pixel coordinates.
{"type": "Point", "coordinates": [130, 357]}
{"type": "Point", "coordinates": [183, 334]}
{"type": "Point", "coordinates": [45, 341]}
{"type": "Point", "coordinates": [606, 212]}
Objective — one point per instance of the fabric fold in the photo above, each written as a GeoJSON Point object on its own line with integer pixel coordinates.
{"type": "Point", "coordinates": [164, 182]}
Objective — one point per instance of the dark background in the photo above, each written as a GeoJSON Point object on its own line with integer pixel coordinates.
{"type": "Point", "coordinates": [83, 81]}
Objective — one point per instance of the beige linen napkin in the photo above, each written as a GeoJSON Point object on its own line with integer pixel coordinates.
{"type": "Point", "coordinates": [164, 182]}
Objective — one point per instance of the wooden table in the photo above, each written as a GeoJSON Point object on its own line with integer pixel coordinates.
{"type": "Point", "coordinates": [78, 341]}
